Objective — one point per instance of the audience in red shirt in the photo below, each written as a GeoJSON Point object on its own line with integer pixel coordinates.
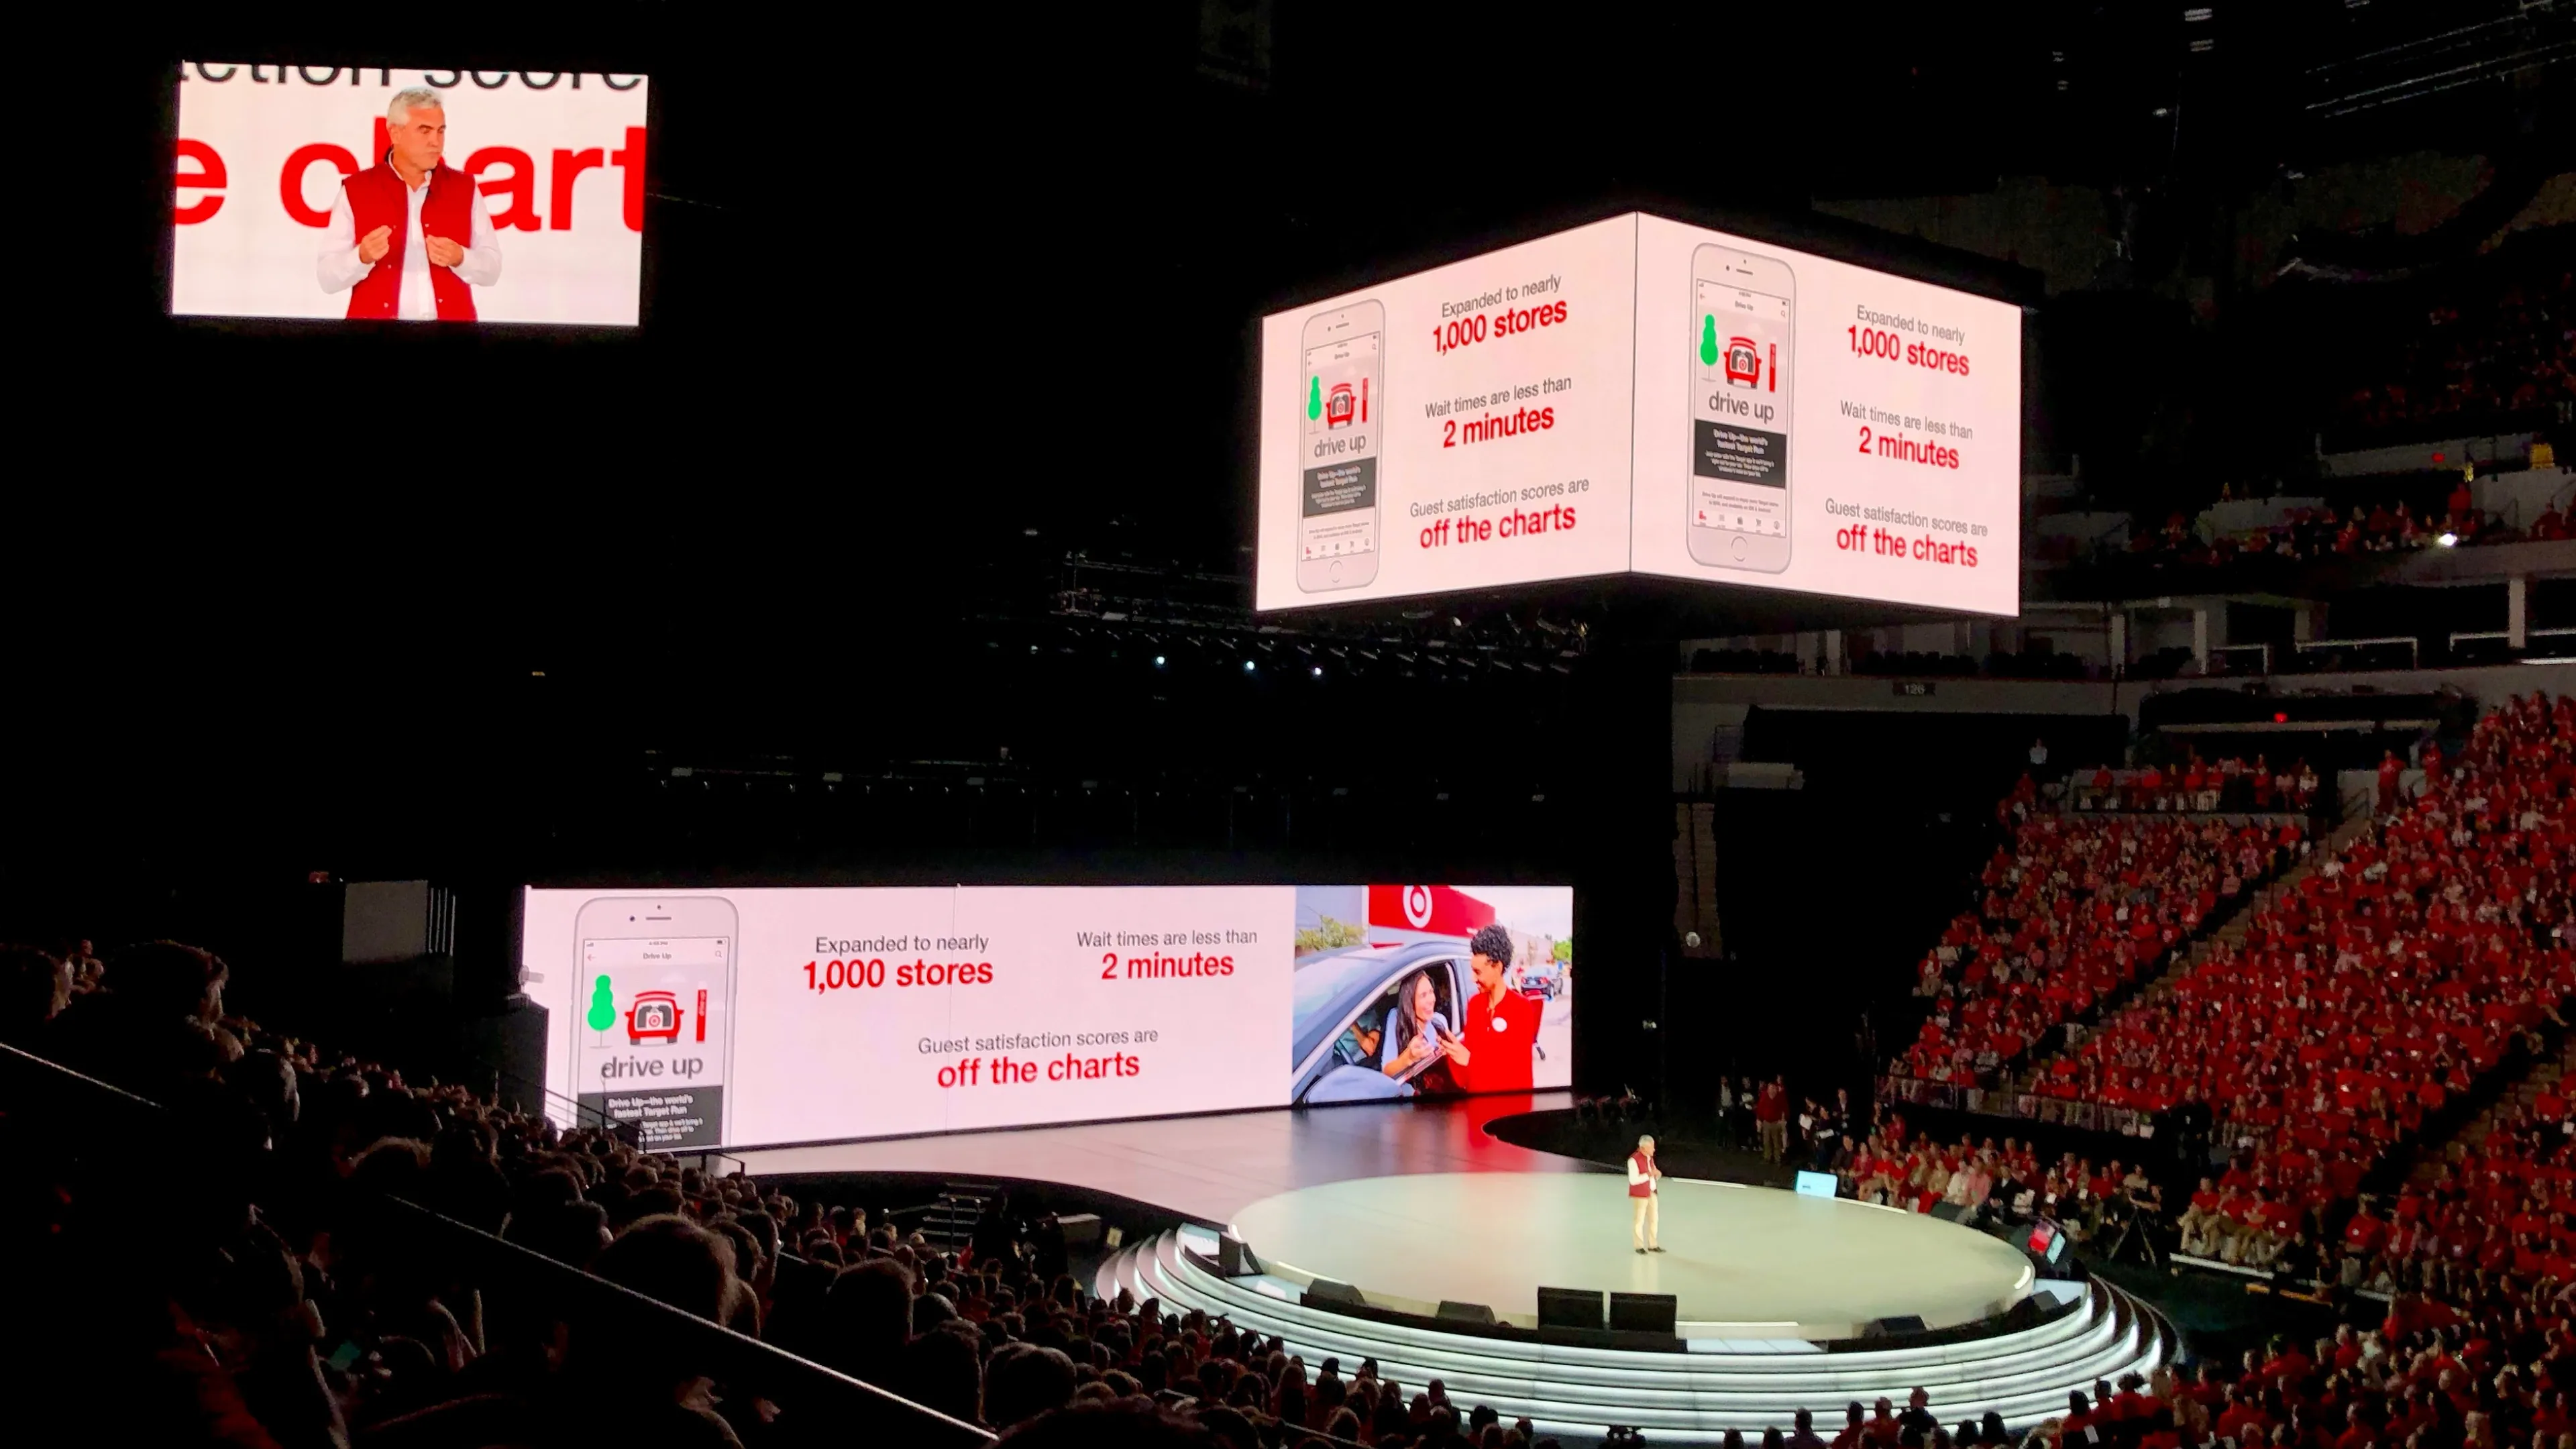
{"type": "Point", "coordinates": [2077, 909]}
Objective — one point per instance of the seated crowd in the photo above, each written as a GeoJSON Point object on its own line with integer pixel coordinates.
{"type": "Point", "coordinates": [1985, 1181]}
{"type": "Point", "coordinates": [299, 1313]}
{"type": "Point", "coordinates": [2497, 1217]}
{"type": "Point", "coordinates": [2310, 533]}
{"type": "Point", "coordinates": [2195, 784]}
{"type": "Point", "coordinates": [2423, 1378]}
{"type": "Point", "coordinates": [2074, 910]}
{"type": "Point", "coordinates": [2487, 347]}
{"type": "Point", "coordinates": [2358, 1006]}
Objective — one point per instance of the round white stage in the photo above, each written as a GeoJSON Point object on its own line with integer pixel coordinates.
{"type": "Point", "coordinates": [1743, 1262]}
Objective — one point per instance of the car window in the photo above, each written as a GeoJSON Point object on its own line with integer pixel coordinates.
{"type": "Point", "coordinates": [1316, 986]}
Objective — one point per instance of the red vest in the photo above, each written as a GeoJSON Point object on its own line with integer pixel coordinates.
{"type": "Point", "coordinates": [1637, 1163]}
{"type": "Point", "coordinates": [377, 197]}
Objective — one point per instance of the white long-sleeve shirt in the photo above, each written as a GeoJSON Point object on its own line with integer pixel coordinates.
{"type": "Point", "coordinates": [339, 267]}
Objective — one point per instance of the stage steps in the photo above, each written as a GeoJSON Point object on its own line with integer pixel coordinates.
{"type": "Point", "coordinates": [951, 1221]}
{"type": "Point", "coordinates": [1684, 1397]}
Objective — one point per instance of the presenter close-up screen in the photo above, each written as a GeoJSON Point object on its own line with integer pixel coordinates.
{"type": "Point", "coordinates": [1643, 396]}
{"type": "Point", "coordinates": [766, 1016]}
{"type": "Point", "coordinates": [393, 194]}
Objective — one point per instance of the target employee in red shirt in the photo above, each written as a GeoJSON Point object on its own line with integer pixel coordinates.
{"type": "Point", "coordinates": [1500, 1036]}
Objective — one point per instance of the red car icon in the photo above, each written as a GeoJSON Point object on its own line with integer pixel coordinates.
{"type": "Point", "coordinates": [1341, 407]}
{"type": "Point", "coordinates": [1743, 363]}
{"type": "Point", "coordinates": [655, 1014]}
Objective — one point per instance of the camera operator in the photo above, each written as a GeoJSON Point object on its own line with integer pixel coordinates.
{"type": "Point", "coordinates": [2134, 1213]}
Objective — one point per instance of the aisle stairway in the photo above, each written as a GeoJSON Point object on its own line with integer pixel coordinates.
{"type": "Point", "coordinates": [2544, 1076]}
{"type": "Point", "coordinates": [1676, 1397]}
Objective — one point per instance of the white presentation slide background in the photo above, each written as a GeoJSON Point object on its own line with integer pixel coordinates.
{"type": "Point", "coordinates": [1824, 462]}
{"type": "Point", "coordinates": [1591, 441]}
{"type": "Point", "coordinates": [1626, 427]}
{"type": "Point", "coordinates": [251, 259]}
{"type": "Point", "coordinates": [847, 1064]}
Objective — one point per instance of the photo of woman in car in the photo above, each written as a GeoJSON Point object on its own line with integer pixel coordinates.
{"type": "Point", "coordinates": [1418, 1043]}
{"type": "Point", "coordinates": [1404, 991]}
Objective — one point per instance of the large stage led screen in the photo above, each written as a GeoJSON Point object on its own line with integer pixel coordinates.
{"type": "Point", "coordinates": [384, 193]}
{"type": "Point", "coordinates": [766, 1016]}
{"type": "Point", "coordinates": [1643, 396]}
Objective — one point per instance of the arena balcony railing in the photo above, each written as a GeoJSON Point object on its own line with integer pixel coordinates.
{"type": "Point", "coordinates": [2015, 1105]}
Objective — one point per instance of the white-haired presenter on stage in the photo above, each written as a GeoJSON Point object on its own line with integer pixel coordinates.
{"type": "Point", "coordinates": [408, 238]}
{"type": "Point", "coordinates": [1644, 1178]}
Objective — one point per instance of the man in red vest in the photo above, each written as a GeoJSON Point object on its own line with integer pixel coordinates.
{"type": "Point", "coordinates": [408, 236]}
{"type": "Point", "coordinates": [1643, 1178]}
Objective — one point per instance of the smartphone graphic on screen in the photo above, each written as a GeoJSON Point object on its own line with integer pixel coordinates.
{"type": "Point", "coordinates": [653, 1015]}
{"type": "Point", "coordinates": [1743, 360]}
{"type": "Point", "coordinates": [1341, 408]}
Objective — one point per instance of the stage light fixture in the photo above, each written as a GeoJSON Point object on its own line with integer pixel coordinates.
{"type": "Point", "coordinates": [2449, 540]}
{"type": "Point", "coordinates": [1247, 666]}
{"type": "Point", "coordinates": [1319, 671]}
{"type": "Point", "coordinates": [1158, 661]}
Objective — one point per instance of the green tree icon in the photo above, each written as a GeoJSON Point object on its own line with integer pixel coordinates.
{"type": "Point", "coordinates": [1708, 340]}
{"type": "Point", "coordinates": [1314, 398]}
{"type": "Point", "coordinates": [603, 1006]}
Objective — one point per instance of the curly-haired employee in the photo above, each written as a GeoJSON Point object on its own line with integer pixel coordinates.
{"type": "Point", "coordinates": [1500, 1032]}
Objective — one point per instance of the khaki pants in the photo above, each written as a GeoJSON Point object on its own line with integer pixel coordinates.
{"type": "Point", "coordinates": [1775, 1139]}
{"type": "Point", "coordinates": [1646, 1220]}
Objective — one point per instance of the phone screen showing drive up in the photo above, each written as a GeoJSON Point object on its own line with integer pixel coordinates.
{"type": "Point", "coordinates": [1343, 408]}
{"type": "Point", "coordinates": [653, 1036]}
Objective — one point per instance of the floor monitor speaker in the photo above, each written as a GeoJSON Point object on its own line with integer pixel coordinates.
{"type": "Point", "coordinates": [1569, 1308]}
{"type": "Point", "coordinates": [1643, 1312]}
{"type": "Point", "coordinates": [1327, 1290]}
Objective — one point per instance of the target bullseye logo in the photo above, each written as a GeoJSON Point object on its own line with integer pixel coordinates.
{"type": "Point", "coordinates": [1417, 906]}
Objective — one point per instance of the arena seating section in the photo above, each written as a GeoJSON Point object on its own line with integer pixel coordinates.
{"type": "Point", "coordinates": [2077, 909]}
{"type": "Point", "coordinates": [2392, 979]}
{"type": "Point", "coordinates": [2493, 344]}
